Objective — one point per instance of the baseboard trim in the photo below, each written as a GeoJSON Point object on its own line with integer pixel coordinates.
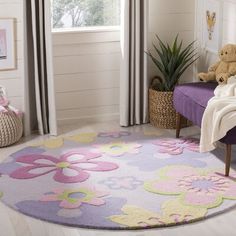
{"type": "Point", "coordinates": [89, 119]}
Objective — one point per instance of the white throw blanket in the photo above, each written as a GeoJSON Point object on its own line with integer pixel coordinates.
{"type": "Point", "coordinates": [219, 116]}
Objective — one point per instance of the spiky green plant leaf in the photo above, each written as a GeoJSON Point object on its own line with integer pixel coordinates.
{"type": "Point", "coordinates": [172, 61]}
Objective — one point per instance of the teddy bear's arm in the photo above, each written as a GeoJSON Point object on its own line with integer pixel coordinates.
{"type": "Point", "coordinates": [214, 67]}
{"type": "Point", "coordinates": [232, 68]}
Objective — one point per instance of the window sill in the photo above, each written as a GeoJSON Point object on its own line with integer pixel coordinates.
{"type": "Point", "coordinates": [97, 29]}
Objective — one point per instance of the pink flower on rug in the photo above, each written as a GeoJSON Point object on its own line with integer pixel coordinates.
{"type": "Point", "coordinates": [74, 198]}
{"type": "Point", "coordinates": [195, 187]}
{"type": "Point", "coordinates": [72, 167]}
{"type": "Point", "coordinates": [177, 146]}
{"type": "Point", "coordinates": [119, 148]}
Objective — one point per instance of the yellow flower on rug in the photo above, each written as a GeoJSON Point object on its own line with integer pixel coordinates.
{"type": "Point", "coordinates": [50, 143]}
{"type": "Point", "coordinates": [175, 212]}
{"type": "Point", "coordinates": [172, 212]}
{"type": "Point", "coordinates": [83, 137]}
{"type": "Point", "coordinates": [136, 216]}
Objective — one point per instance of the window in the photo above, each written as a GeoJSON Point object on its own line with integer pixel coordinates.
{"type": "Point", "coordinates": [85, 13]}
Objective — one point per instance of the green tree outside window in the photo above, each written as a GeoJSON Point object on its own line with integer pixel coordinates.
{"type": "Point", "coordinates": [83, 13]}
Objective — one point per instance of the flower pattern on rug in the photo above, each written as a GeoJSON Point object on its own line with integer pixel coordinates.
{"type": "Point", "coordinates": [114, 134]}
{"type": "Point", "coordinates": [118, 183]}
{"type": "Point", "coordinates": [159, 160]}
{"type": "Point", "coordinates": [74, 198]}
{"type": "Point", "coordinates": [137, 217]}
{"type": "Point", "coordinates": [83, 137]}
{"type": "Point", "coordinates": [177, 146]}
{"type": "Point", "coordinates": [10, 165]}
{"type": "Point", "coordinates": [195, 187]}
{"type": "Point", "coordinates": [50, 143]}
{"type": "Point", "coordinates": [72, 167]}
{"type": "Point", "coordinates": [172, 212]}
{"type": "Point", "coordinates": [175, 212]}
{"type": "Point", "coordinates": [74, 217]}
{"type": "Point", "coordinates": [69, 185]}
{"type": "Point", "coordinates": [119, 148]}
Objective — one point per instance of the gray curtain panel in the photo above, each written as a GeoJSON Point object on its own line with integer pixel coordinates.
{"type": "Point", "coordinates": [134, 74]}
{"type": "Point", "coordinates": [37, 65]}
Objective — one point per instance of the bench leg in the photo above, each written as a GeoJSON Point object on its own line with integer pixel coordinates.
{"type": "Point", "coordinates": [178, 124]}
{"type": "Point", "coordinates": [228, 158]}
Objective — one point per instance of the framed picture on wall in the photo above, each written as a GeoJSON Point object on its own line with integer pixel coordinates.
{"type": "Point", "coordinates": [7, 44]}
{"type": "Point", "coordinates": [212, 25]}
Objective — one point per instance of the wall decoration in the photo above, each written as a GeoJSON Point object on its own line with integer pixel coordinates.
{"type": "Point", "coordinates": [212, 25]}
{"type": "Point", "coordinates": [7, 44]}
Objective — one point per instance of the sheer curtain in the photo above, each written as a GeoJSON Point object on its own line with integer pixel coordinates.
{"type": "Point", "coordinates": [134, 73]}
{"type": "Point", "coordinates": [39, 65]}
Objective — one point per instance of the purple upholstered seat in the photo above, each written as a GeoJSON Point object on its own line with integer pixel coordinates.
{"type": "Point", "coordinates": [190, 100]}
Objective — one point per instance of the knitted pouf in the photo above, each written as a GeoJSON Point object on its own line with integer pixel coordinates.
{"type": "Point", "coordinates": [11, 128]}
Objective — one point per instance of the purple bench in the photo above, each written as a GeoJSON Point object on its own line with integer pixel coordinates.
{"type": "Point", "coordinates": [190, 101]}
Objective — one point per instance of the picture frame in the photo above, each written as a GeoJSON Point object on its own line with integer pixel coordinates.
{"type": "Point", "coordinates": [212, 25]}
{"type": "Point", "coordinates": [7, 44]}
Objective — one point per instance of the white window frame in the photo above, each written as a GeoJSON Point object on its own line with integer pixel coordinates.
{"type": "Point", "coordinates": [88, 29]}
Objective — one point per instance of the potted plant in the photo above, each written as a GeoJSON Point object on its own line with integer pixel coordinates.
{"type": "Point", "coordinates": [172, 61]}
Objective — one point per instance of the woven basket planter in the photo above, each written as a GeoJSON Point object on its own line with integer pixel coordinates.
{"type": "Point", "coordinates": [161, 110]}
{"type": "Point", "coordinates": [11, 128]}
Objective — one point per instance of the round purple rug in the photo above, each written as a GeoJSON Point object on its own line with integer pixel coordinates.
{"type": "Point", "coordinates": [116, 180]}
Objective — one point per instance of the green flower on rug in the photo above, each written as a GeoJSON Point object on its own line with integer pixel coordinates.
{"type": "Point", "coordinates": [173, 212]}
{"type": "Point", "coordinates": [119, 148]}
{"type": "Point", "coordinates": [1, 194]}
{"type": "Point", "coordinates": [194, 186]}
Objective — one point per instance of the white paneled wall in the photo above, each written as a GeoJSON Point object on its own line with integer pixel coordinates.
{"type": "Point", "coordinates": [167, 18]}
{"type": "Point", "coordinates": [87, 64]}
{"type": "Point", "coordinates": [228, 30]}
{"type": "Point", "coordinates": [229, 21]}
{"type": "Point", "coordinates": [86, 72]}
{"type": "Point", "coordinates": [13, 80]}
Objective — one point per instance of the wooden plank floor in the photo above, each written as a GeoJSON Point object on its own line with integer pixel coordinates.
{"type": "Point", "coordinates": [13, 223]}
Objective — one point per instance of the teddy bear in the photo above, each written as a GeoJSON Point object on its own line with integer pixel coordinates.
{"type": "Point", "coordinates": [224, 68]}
